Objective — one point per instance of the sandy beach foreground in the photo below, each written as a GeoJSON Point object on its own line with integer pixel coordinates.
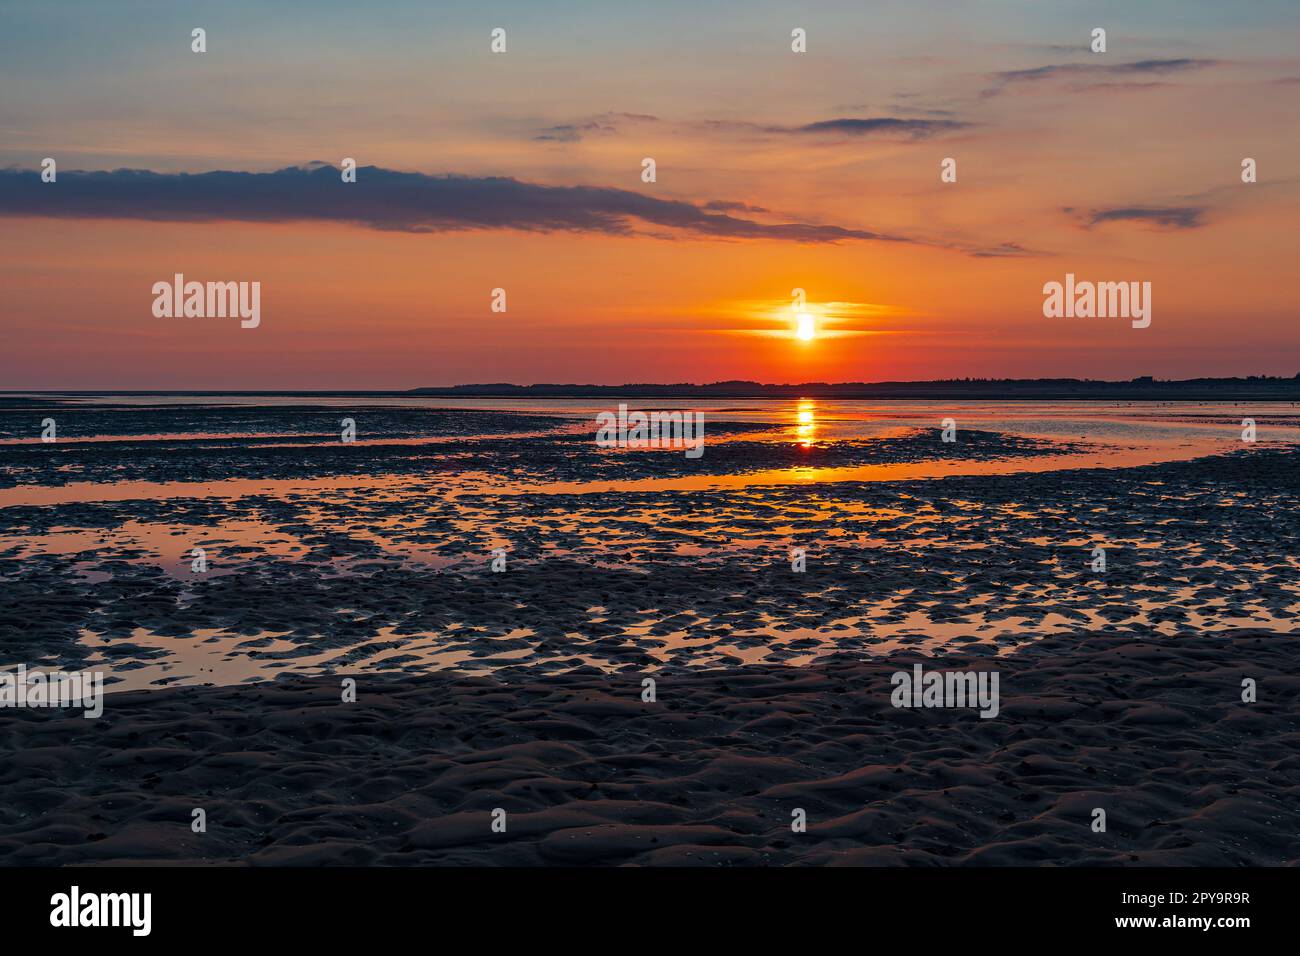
{"type": "Point", "coordinates": [1154, 732]}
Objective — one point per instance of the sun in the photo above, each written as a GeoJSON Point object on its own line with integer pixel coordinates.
{"type": "Point", "coordinates": [805, 329]}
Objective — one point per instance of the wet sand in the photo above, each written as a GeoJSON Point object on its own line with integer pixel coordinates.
{"type": "Point", "coordinates": [522, 690]}
{"type": "Point", "coordinates": [1151, 731]}
{"type": "Point", "coordinates": [399, 578]}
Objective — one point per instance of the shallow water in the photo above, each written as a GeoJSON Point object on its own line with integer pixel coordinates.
{"type": "Point", "coordinates": [1113, 434]}
{"type": "Point", "coordinates": [390, 567]}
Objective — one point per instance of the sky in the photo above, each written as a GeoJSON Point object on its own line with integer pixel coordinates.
{"type": "Point", "coordinates": [523, 171]}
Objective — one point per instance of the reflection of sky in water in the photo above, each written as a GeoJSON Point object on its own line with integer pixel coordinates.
{"type": "Point", "coordinates": [808, 420]}
{"type": "Point", "coordinates": [383, 519]}
{"type": "Point", "coordinates": [1118, 434]}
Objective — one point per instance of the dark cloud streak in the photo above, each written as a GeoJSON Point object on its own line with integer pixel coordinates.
{"type": "Point", "coordinates": [1170, 217]}
{"type": "Point", "coordinates": [914, 128]}
{"type": "Point", "coordinates": [388, 200]}
{"type": "Point", "coordinates": [1053, 71]}
{"type": "Point", "coordinates": [842, 126]}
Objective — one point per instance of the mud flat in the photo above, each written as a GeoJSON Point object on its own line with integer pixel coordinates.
{"type": "Point", "coordinates": [397, 578]}
{"type": "Point", "coordinates": [1154, 732]}
{"type": "Point", "coordinates": [1121, 689]}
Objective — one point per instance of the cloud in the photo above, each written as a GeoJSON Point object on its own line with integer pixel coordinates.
{"type": "Point", "coordinates": [571, 132]}
{"type": "Point", "coordinates": [1167, 217]}
{"type": "Point", "coordinates": [1176, 64]}
{"type": "Point", "coordinates": [605, 123]}
{"type": "Point", "coordinates": [912, 128]}
{"type": "Point", "coordinates": [849, 126]}
{"type": "Point", "coordinates": [389, 200]}
{"type": "Point", "coordinates": [840, 126]}
{"type": "Point", "coordinates": [1096, 71]}
{"type": "Point", "coordinates": [722, 205]}
{"type": "Point", "coordinates": [1005, 250]}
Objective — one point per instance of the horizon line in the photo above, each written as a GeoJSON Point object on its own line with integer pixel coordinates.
{"type": "Point", "coordinates": [730, 388]}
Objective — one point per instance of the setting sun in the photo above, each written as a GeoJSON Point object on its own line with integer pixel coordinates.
{"type": "Point", "coordinates": [804, 327]}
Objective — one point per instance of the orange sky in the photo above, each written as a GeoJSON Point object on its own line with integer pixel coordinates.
{"type": "Point", "coordinates": [1115, 167]}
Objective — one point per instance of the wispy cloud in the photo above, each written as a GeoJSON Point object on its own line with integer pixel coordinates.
{"type": "Point", "coordinates": [605, 123]}
{"type": "Point", "coordinates": [723, 205]}
{"type": "Point", "coordinates": [911, 128]}
{"type": "Point", "coordinates": [1005, 250]}
{"type": "Point", "coordinates": [1164, 217]}
{"type": "Point", "coordinates": [882, 126]}
{"type": "Point", "coordinates": [391, 200]}
{"type": "Point", "coordinates": [1094, 72]}
{"type": "Point", "coordinates": [879, 126]}
{"type": "Point", "coordinates": [571, 132]}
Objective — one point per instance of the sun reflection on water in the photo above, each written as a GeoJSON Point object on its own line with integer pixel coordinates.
{"type": "Point", "coordinates": [806, 417]}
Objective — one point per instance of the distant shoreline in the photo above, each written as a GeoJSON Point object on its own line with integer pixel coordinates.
{"type": "Point", "coordinates": [1255, 388]}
